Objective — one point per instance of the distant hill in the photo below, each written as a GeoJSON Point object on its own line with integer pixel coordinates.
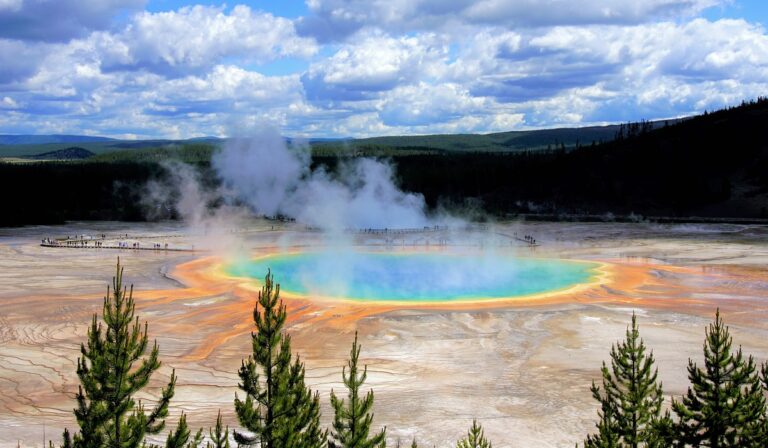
{"type": "Point", "coordinates": [200, 152]}
{"type": "Point", "coordinates": [502, 141]}
{"type": "Point", "coordinates": [44, 139]}
{"type": "Point", "coordinates": [97, 147]}
{"type": "Point", "coordinates": [513, 141]}
{"type": "Point", "coordinates": [134, 144]}
{"type": "Point", "coordinates": [71, 153]}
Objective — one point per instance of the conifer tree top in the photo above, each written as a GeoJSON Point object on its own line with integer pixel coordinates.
{"type": "Point", "coordinates": [630, 398]}
{"type": "Point", "coordinates": [279, 410]}
{"type": "Point", "coordinates": [113, 368]}
{"type": "Point", "coordinates": [353, 416]}
{"type": "Point", "coordinates": [475, 438]}
{"type": "Point", "coordinates": [724, 406]}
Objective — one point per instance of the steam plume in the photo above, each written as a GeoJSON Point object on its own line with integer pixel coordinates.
{"type": "Point", "coordinates": [274, 179]}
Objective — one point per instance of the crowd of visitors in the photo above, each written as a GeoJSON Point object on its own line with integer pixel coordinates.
{"type": "Point", "coordinates": [101, 241]}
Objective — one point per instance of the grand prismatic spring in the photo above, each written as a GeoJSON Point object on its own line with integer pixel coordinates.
{"type": "Point", "coordinates": [413, 277]}
{"type": "Point", "coordinates": [457, 324]}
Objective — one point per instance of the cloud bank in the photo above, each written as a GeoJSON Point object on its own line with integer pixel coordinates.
{"type": "Point", "coordinates": [362, 68]}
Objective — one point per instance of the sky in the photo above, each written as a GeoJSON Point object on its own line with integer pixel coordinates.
{"type": "Point", "coordinates": [357, 68]}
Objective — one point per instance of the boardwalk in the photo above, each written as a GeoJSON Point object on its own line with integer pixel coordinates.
{"type": "Point", "coordinates": [92, 246]}
{"type": "Point", "coordinates": [121, 242]}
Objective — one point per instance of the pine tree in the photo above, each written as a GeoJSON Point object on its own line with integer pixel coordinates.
{"type": "Point", "coordinates": [664, 433]}
{"type": "Point", "coordinates": [765, 410]}
{"type": "Point", "coordinates": [630, 399]}
{"type": "Point", "coordinates": [413, 443]}
{"type": "Point", "coordinates": [607, 429]}
{"type": "Point", "coordinates": [353, 417]}
{"type": "Point", "coordinates": [279, 409]}
{"type": "Point", "coordinates": [219, 436]}
{"type": "Point", "coordinates": [112, 369]}
{"type": "Point", "coordinates": [475, 438]}
{"type": "Point", "coordinates": [724, 403]}
{"type": "Point", "coordinates": [180, 437]}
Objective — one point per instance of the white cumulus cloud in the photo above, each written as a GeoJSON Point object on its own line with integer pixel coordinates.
{"type": "Point", "coordinates": [59, 20]}
{"type": "Point", "coordinates": [198, 37]}
{"type": "Point", "coordinates": [393, 67]}
{"type": "Point", "coordinates": [337, 19]}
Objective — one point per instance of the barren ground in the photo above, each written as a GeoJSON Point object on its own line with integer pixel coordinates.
{"type": "Point", "coordinates": [522, 367]}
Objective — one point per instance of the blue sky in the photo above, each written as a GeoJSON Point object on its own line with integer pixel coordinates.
{"type": "Point", "coordinates": [337, 68]}
{"type": "Point", "coordinates": [291, 9]}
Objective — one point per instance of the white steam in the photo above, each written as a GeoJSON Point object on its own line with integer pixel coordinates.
{"type": "Point", "coordinates": [182, 189]}
{"type": "Point", "coordinates": [262, 175]}
{"type": "Point", "coordinates": [276, 180]}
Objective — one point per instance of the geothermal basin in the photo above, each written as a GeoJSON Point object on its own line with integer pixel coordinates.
{"type": "Point", "coordinates": [412, 277]}
{"type": "Point", "coordinates": [519, 360]}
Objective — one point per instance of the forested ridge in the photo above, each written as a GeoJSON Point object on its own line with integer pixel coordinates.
{"type": "Point", "coordinates": [714, 165]}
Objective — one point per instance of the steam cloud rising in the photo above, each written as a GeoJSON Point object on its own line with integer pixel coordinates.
{"type": "Point", "coordinates": [274, 179]}
{"type": "Point", "coordinates": [270, 178]}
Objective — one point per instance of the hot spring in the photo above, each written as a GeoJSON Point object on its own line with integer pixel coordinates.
{"type": "Point", "coordinates": [415, 276]}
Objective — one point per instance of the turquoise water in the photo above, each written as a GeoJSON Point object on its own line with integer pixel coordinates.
{"type": "Point", "coordinates": [434, 277]}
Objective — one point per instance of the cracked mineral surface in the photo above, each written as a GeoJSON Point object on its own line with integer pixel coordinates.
{"type": "Point", "coordinates": [523, 367]}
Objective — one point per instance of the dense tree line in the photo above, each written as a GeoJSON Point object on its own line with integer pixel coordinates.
{"type": "Point", "coordinates": [55, 192]}
{"type": "Point", "coordinates": [725, 405]}
{"type": "Point", "coordinates": [51, 192]}
{"type": "Point", "coordinates": [713, 165]}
